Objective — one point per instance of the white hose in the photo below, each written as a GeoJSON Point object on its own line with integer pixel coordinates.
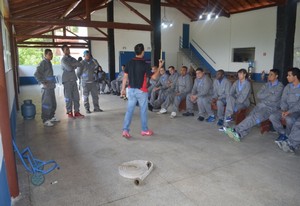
{"type": "Point", "coordinates": [137, 170]}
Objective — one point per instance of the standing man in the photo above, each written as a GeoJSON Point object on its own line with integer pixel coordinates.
{"type": "Point", "coordinates": [137, 71]}
{"type": "Point", "coordinates": [44, 75]}
{"type": "Point", "coordinates": [269, 96]}
{"type": "Point", "coordinates": [88, 76]}
{"type": "Point", "coordinates": [69, 64]}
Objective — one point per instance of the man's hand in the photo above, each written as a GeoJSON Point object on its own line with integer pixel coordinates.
{"type": "Point", "coordinates": [193, 98]}
{"type": "Point", "coordinates": [284, 114]}
{"type": "Point", "coordinates": [161, 63]}
{"type": "Point", "coordinates": [123, 92]}
{"type": "Point", "coordinates": [156, 88]}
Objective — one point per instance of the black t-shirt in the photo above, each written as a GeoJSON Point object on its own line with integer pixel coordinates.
{"type": "Point", "coordinates": [138, 71]}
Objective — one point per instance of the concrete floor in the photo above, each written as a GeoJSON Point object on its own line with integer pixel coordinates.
{"type": "Point", "coordinates": [195, 164]}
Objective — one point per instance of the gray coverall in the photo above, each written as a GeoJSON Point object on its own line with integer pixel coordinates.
{"type": "Point", "coordinates": [117, 83]}
{"type": "Point", "coordinates": [184, 86]}
{"type": "Point", "coordinates": [69, 78]}
{"type": "Point", "coordinates": [294, 136]}
{"type": "Point", "coordinates": [203, 88]}
{"type": "Point", "coordinates": [163, 85]}
{"type": "Point", "coordinates": [269, 96]}
{"type": "Point", "coordinates": [238, 97]}
{"type": "Point", "coordinates": [88, 75]}
{"type": "Point", "coordinates": [220, 92]}
{"type": "Point", "coordinates": [290, 101]}
{"type": "Point", "coordinates": [44, 75]}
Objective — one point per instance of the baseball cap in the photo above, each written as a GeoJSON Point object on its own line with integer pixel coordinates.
{"type": "Point", "coordinates": [86, 52]}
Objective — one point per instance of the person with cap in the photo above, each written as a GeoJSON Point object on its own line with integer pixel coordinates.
{"type": "Point", "coordinates": [137, 71]}
{"type": "Point", "coordinates": [69, 80]}
{"type": "Point", "coordinates": [44, 75]}
{"type": "Point", "coordinates": [89, 80]}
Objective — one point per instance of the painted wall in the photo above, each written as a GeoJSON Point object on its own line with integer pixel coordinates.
{"type": "Point", "coordinates": [250, 29]}
{"type": "Point", "coordinates": [125, 40]}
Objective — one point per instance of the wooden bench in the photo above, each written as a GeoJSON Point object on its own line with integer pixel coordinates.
{"type": "Point", "coordinates": [265, 126]}
{"type": "Point", "coordinates": [237, 116]}
{"type": "Point", "coordinates": [182, 105]}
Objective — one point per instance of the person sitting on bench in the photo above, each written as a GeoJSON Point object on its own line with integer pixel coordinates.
{"type": "Point", "coordinates": [201, 94]}
{"type": "Point", "coordinates": [289, 106]}
{"type": "Point", "coordinates": [269, 96]}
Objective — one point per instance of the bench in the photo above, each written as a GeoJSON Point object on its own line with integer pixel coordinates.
{"type": "Point", "coordinates": [265, 126]}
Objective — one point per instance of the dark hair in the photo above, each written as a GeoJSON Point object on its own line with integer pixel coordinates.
{"type": "Point", "coordinates": [185, 67]}
{"type": "Point", "coordinates": [123, 65]}
{"type": "Point", "coordinates": [171, 67]}
{"type": "Point", "coordinates": [275, 71]}
{"type": "Point", "coordinates": [64, 46]}
{"type": "Point", "coordinates": [47, 51]}
{"type": "Point", "coordinates": [138, 49]}
{"type": "Point", "coordinates": [199, 69]}
{"type": "Point", "coordinates": [244, 71]}
{"type": "Point", "coordinates": [221, 71]}
{"type": "Point", "coordinates": [295, 72]}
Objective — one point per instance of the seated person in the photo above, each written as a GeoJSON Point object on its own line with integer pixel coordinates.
{"type": "Point", "coordinates": [117, 83]}
{"type": "Point", "coordinates": [103, 81]}
{"type": "Point", "coordinates": [183, 87]}
{"type": "Point", "coordinates": [289, 106]}
{"type": "Point", "coordinates": [269, 102]}
{"type": "Point", "coordinates": [152, 82]}
{"type": "Point", "coordinates": [221, 89]}
{"type": "Point", "coordinates": [293, 141]}
{"type": "Point", "coordinates": [160, 86]}
{"type": "Point", "coordinates": [239, 95]}
{"type": "Point", "coordinates": [201, 94]}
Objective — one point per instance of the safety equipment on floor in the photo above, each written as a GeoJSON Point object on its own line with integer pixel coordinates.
{"type": "Point", "coordinates": [137, 170]}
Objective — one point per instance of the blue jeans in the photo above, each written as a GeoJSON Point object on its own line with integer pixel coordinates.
{"type": "Point", "coordinates": [134, 96]}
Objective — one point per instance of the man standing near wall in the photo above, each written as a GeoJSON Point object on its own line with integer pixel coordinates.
{"type": "Point", "coordinates": [44, 75]}
{"type": "Point", "coordinates": [69, 78]}
{"type": "Point", "coordinates": [137, 71]}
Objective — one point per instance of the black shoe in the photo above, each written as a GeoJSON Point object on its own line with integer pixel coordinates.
{"type": "Point", "coordinates": [88, 111]}
{"type": "Point", "coordinates": [114, 93]}
{"type": "Point", "coordinates": [200, 118]}
{"type": "Point", "coordinates": [150, 107]}
{"type": "Point", "coordinates": [98, 110]}
{"type": "Point", "coordinates": [118, 93]}
{"type": "Point", "coordinates": [188, 114]}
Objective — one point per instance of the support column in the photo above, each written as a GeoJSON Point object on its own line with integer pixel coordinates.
{"type": "Point", "coordinates": [8, 152]}
{"type": "Point", "coordinates": [156, 33]}
{"type": "Point", "coordinates": [284, 42]}
{"type": "Point", "coordinates": [111, 42]}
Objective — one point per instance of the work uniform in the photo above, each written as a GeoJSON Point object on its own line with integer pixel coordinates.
{"type": "Point", "coordinates": [69, 78]}
{"type": "Point", "coordinates": [203, 88]}
{"type": "Point", "coordinates": [88, 75]}
{"type": "Point", "coordinates": [269, 96]}
{"type": "Point", "coordinates": [117, 83]}
{"type": "Point", "coordinates": [290, 101]}
{"type": "Point", "coordinates": [221, 89]}
{"type": "Point", "coordinates": [44, 75]}
{"type": "Point", "coordinates": [162, 84]}
{"type": "Point", "coordinates": [238, 97]}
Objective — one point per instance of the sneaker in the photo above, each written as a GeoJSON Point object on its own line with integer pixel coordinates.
{"type": "Point", "coordinates": [173, 115]}
{"type": "Point", "coordinates": [162, 111]}
{"type": "Point", "coordinates": [281, 138]}
{"type": "Point", "coordinates": [221, 129]}
{"type": "Point", "coordinates": [236, 136]}
{"type": "Point", "coordinates": [126, 134]}
{"type": "Point", "coordinates": [48, 123]}
{"type": "Point", "coordinates": [211, 118]}
{"type": "Point", "coordinates": [188, 114]}
{"type": "Point", "coordinates": [107, 92]}
{"type": "Point", "coordinates": [220, 122]}
{"type": "Point", "coordinates": [70, 114]}
{"type": "Point", "coordinates": [101, 92]}
{"type": "Point", "coordinates": [228, 119]}
{"type": "Point", "coordinates": [78, 115]}
{"type": "Point", "coordinates": [279, 144]}
{"type": "Point", "coordinates": [150, 107]}
{"type": "Point", "coordinates": [147, 133]}
{"type": "Point", "coordinates": [125, 98]}
{"type": "Point", "coordinates": [88, 111]}
{"type": "Point", "coordinates": [54, 119]}
{"type": "Point", "coordinates": [200, 118]}
{"type": "Point", "coordinates": [98, 110]}
{"type": "Point", "coordinates": [286, 147]}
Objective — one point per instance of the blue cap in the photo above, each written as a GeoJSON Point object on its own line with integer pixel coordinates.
{"type": "Point", "coordinates": [86, 52]}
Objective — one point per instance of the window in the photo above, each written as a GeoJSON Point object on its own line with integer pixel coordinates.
{"type": "Point", "coordinates": [244, 54]}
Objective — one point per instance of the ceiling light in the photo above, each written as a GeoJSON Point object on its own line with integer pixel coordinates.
{"type": "Point", "coordinates": [166, 23]}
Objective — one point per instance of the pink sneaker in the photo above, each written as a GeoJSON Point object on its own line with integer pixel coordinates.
{"type": "Point", "coordinates": [147, 133]}
{"type": "Point", "coordinates": [126, 134]}
{"type": "Point", "coordinates": [78, 115]}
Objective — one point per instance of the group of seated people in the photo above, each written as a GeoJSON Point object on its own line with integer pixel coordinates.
{"type": "Point", "coordinates": [278, 104]}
